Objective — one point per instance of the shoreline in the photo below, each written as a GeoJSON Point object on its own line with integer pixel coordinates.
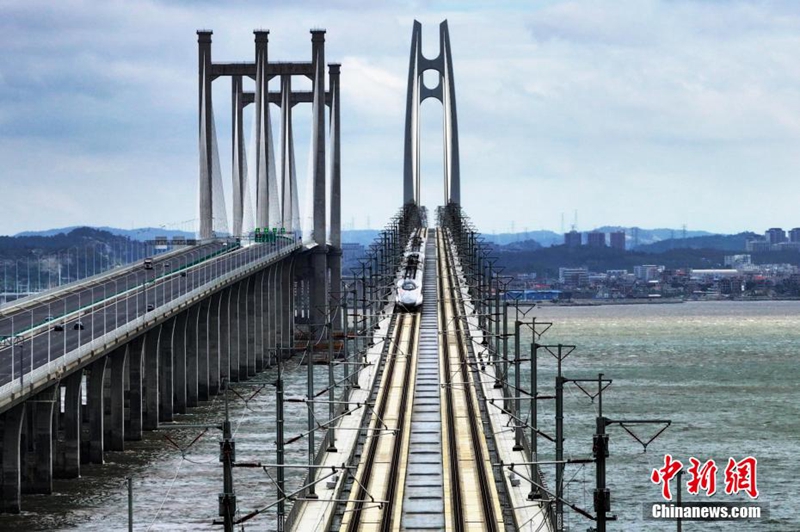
{"type": "Point", "coordinates": [660, 301]}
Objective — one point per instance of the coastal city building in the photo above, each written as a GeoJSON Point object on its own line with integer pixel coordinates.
{"type": "Point", "coordinates": [617, 239]}
{"type": "Point", "coordinates": [573, 277]}
{"type": "Point", "coordinates": [596, 239]}
{"type": "Point", "coordinates": [647, 272]}
{"type": "Point", "coordinates": [775, 235]}
{"type": "Point", "coordinates": [572, 239]}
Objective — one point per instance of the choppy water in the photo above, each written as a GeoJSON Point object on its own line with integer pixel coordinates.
{"type": "Point", "coordinates": [725, 373]}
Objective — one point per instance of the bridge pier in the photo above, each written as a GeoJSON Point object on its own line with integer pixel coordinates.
{"type": "Point", "coordinates": [151, 386]}
{"type": "Point", "coordinates": [133, 429]}
{"type": "Point", "coordinates": [10, 473]}
{"type": "Point", "coordinates": [214, 342]}
{"type": "Point", "coordinates": [285, 340]}
{"type": "Point", "coordinates": [270, 317]}
{"type": "Point", "coordinates": [335, 267]}
{"type": "Point", "coordinates": [68, 457]}
{"type": "Point", "coordinates": [95, 401]}
{"type": "Point", "coordinates": [37, 473]}
{"type": "Point", "coordinates": [253, 365]}
{"type": "Point", "coordinates": [226, 367]}
{"type": "Point", "coordinates": [202, 338]}
{"type": "Point", "coordinates": [241, 330]}
{"type": "Point", "coordinates": [165, 377]}
{"type": "Point", "coordinates": [179, 363]}
{"type": "Point", "coordinates": [233, 334]}
{"type": "Point", "coordinates": [192, 357]}
{"type": "Point", "coordinates": [258, 322]}
{"type": "Point", "coordinates": [115, 440]}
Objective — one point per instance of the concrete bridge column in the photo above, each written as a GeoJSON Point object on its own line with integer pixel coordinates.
{"type": "Point", "coordinates": [179, 362]}
{"type": "Point", "coordinates": [133, 429]}
{"type": "Point", "coordinates": [258, 322]}
{"type": "Point", "coordinates": [250, 322]}
{"type": "Point", "coordinates": [68, 458]}
{"type": "Point", "coordinates": [233, 335]}
{"type": "Point", "coordinates": [276, 311]}
{"type": "Point", "coordinates": [237, 340]}
{"type": "Point", "coordinates": [271, 315]}
{"type": "Point", "coordinates": [192, 381]}
{"type": "Point", "coordinates": [151, 385]}
{"type": "Point", "coordinates": [10, 473]}
{"type": "Point", "coordinates": [335, 267]}
{"type": "Point", "coordinates": [238, 328]}
{"type": "Point", "coordinates": [263, 319]}
{"type": "Point", "coordinates": [38, 470]}
{"type": "Point", "coordinates": [165, 377]}
{"type": "Point", "coordinates": [224, 336]}
{"type": "Point", "coordinates": [286, 294]}
{"type": "Point", "coordinates": [115, 440]}
{"type": "Point", "coordinates": [95, 402]}
{"type": "Point", "coordinates": [214, 342]}
{"type": "Point", "coordinates": [201, 338]}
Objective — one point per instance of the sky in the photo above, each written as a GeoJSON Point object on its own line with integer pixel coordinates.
{"type": "Point", "coordinates": [655, 113]}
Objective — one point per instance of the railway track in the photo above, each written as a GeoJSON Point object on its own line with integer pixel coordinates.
{"type": "Point", "coordinates": [372, 500]}
{"type": "Point", "coordinates": [425, 462]}
{"type": "Point", "coordinates": [471, 501]}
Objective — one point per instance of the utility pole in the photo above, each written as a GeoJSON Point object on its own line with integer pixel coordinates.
{"type": "Point", "coordinates": [279, 444]}
{"type": "Point", "coordinates": [227, 455]}
{"type": "Point", "coordinates": [130, 503]}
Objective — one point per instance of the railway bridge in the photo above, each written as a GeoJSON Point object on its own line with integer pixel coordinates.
{"type": "Point", "coordinates": [421, 425]}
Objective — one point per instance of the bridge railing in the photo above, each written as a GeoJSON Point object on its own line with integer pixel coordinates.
{"type": "Point", "coordinates": [218, 272]}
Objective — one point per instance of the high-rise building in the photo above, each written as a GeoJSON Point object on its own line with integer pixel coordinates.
{"type": "Point", "coordinates": [596, 239]}
{"type": "Point", "coordinates": [775, 235]}
{"type": "Point", "coordinates": [617, 239]}
{"type": "Point", "coordinates": [794, 235]}
{"type": "Point", "coordinates": [572, 239]}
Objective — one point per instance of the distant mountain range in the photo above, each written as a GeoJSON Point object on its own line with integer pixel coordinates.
{"type": "Point", "coordinates": [359, 236]}
{"type": "Point", "coordinates": [141, 233]}
{"type": "Point", "coordinates": [645, 236]}
{"type": "Point", "coordinates": [649, 240]}
{"type": "Point", "coordinates": [721, 242]}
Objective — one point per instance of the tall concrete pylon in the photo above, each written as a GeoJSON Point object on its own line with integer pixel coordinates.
{"type": "Point", "coordinates": [446, 94]}
{"type": "Point", "coordinates": [205, 133]}
{"type": "Point", "coordinates": [263, 140]}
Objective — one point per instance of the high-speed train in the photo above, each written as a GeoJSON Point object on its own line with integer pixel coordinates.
{"type": "Point", "coordinates": [409, 286]}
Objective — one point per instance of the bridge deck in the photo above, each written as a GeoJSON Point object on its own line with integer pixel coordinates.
{"type": "Point", "coordinates": [95, 315]}
{"type": "Point", "coordinates": [425, 463]}
{"type": "Point", "coordinates": [423, 493]}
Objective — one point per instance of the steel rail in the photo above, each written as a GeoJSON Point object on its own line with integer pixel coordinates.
{"type": "Point", "coordinates": [473, 417]}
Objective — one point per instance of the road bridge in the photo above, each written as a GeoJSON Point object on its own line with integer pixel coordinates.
{"type": "Point", "coordinates": [90, 365]}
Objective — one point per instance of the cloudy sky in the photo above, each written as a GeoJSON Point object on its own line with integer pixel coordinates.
{"type": "Point", "coordinates": [655, 113]}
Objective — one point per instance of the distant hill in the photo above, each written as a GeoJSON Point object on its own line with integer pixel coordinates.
{"type": "Point", "coordinates": [141, 233]}
{"type": "Point", "coordinates": [723, 242]}
{"type": "Point", "coordinates": [544, 238]}
{"type": "Point", "coordinates": [546, 261]}
{"type": "Point", "coordinates": [550, 238]}
{"type": "Point", "coordinates": [524, 245]}
{"type": "Point", "coordinates": [649, 236]}
{"type": "Point", "coordinates": [359, 236]}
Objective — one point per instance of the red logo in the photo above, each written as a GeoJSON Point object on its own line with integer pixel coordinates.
{"type": "Point", "coordinates": [702, 477]}
{"type": "Point", "coordinates": [739, 476]}
{"type": "Point", "coordinates": [665, 474]}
